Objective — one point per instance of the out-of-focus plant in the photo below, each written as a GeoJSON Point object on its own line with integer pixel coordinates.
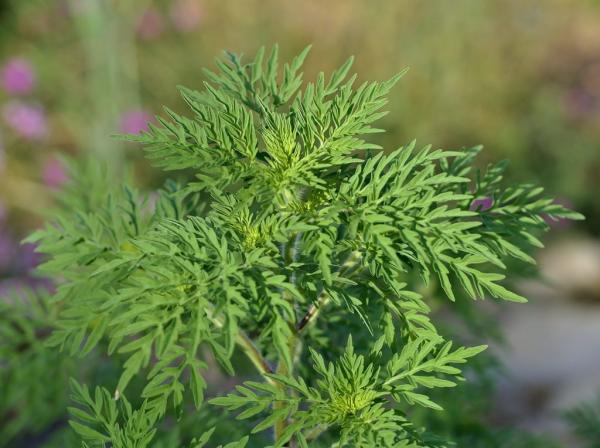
{"type": "Point", "coordinates": [33, 379]}
{"type": "Point", "coordinates": [585, 421]}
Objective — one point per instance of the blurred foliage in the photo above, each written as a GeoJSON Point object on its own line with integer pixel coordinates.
{"type": "Point", "coordinates": [585, 421]}
{"type": "Point", "coordinates": [29, 406]}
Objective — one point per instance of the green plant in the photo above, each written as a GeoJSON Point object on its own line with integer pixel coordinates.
{"type": "Point", "coordinates": [24, 323]}
{"type": "Point", "coordinates": [584, 420]}
{"type": "Point", "coordinates": [287, 229]}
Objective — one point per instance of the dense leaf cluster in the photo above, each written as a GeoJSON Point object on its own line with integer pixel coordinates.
{"type": "Point", "coordinates": [289, 214]}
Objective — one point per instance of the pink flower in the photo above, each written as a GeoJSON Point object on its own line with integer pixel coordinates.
{"type": "Point", "coordinates": [53, 173]}
{"type": "Point", "coordinates": [18, 77]}
{"type": "Point", "coordinates": [135, 121]}
{"type": "Point", "coordinates": [150, 24]}
{"type": "Point", "coordinates": [186, 14]}
{"type": "Point", "coordinates": [27, 120]}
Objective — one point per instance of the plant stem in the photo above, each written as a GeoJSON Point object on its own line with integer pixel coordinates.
{"type": "Point", "coordinates": [323, 298]}
{"type": "Point", "coordinates": [251, 351]}
{"type": "Point", "coordinates": [290, 253]}
{"type": "Point", "coordinates": [315, 432]}
{"type": "Point", "coordinates": [255, 356]}
{"type": "Point", "coordinates": [309, 317]}
{"type": "Point", "coordinates": [281, 424]}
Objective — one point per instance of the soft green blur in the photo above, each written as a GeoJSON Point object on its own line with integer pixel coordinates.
{"type": "Point", "coordinates": [521, 77]}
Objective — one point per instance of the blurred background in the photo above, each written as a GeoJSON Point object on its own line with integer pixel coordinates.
{"type": "Point", "coordinates": [521, 77]}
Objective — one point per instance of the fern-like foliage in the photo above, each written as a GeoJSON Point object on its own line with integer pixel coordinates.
{"type": "Point", "coordinates": [289, 215]}
{"type": "Point", "coordinates": [585, 422]}
{"type": "Point", "coordinates": [352, 395]}
{"type": "Point", "coordinates": [27, 399]}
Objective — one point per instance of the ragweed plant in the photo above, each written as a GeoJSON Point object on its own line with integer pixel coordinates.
{"type": "Point", "coordinates": [289, 227]}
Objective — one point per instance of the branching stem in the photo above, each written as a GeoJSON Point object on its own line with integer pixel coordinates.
{"type": "Point", "coordinates": [309, 317]}
{"type": "Point", "coordinates": [323, 297]}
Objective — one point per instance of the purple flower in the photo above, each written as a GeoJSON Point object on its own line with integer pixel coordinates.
{"type": "Point", "coordinates": [150, 25]}
{"type": "Point", "coordinates": [18, 77]}
{"type": "Point", "coordinates": [53, 173]}
{"type": "Point", "coordinates": [29, 121]}
{"type": "Point", "coordinates": [186, 14]}
{"type": "Point", "coordinates": [135, 121]}
{"type": "Point", "coordinates": [481, 204]}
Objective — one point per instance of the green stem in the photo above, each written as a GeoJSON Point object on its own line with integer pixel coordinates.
{"type": "Point", "coordinates": [295, 339]}
{"type": "Point", "coordinates": [324, 298]}
{"type": "Point", "coordinates": [315, 433]}
{"type": "Point", "coordinates": [251, 351]}
{"type": "Point", "coordinates": [281, 424]}
{"type": "Point", "coordinates": [255, 356]}
{"type": "Point", "coordinates": [290, 253]}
